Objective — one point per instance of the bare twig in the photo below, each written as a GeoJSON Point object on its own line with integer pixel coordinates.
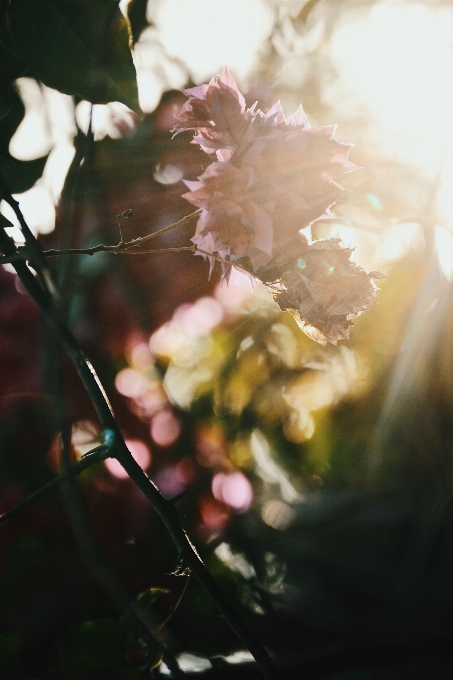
{"type": "Point", "coordinates": [120, 250]}
{"type": "Point", "coordinates": [22, 252]}
{"type": "Point", "coordinates": [178, 249]}
{"type": "Point", "coordinates": [179, 223]}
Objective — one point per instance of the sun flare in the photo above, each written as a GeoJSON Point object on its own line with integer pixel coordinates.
{"type": "Point", "coordinates": [399, 61]}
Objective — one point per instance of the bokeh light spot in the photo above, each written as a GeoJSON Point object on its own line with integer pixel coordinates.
{"type": "Point", "coordinates": [168, 174]}
{"type": "Point", "coordinates": [215, 515]}
{"type": "Point", "coordinates": [374, 201]}
{"type": "Point", "coordinates": [210, 446]}
{"type": "Point", "coordinates": [200, 318]}
{"type": "Point", "coordinates": [139, 355]}
{"type": "Point", "coordinates": [131, 383]}
{"type": "Point", "coordinates": [233, 294]}
{"type": "Point", "coordinates": [171, 480]}
{"type": "Point", "coordinates": [278, 515]}
{"type": "Point", "coordinates": [234, 489]}
{"type": "Point", "coordinates": [140, 453]}
{"type": "Point", "coordinates": [301, 264]}
{"type": "Point", "coordinates": [165, 428]}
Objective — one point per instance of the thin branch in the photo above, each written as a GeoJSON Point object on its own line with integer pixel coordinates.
{"type": "Point", "coordinates": [121, 247]}
{"type": "Point", "coordinates": [91, 458]}
{"type": "Point", "coordinates": [179, 223]}
{"type": "Point", "coordinates": [19, 257]}
{"type": "Point", "coordinates": [190, 249]}
{"type": "Point", "coordinates": [164, 508]}
{"type": "Point", "coordinates": [176, 606]}
{"type": "Point", "coordinates": [121, 250]}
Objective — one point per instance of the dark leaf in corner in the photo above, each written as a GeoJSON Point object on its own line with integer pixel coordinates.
{"type": "Point", "coordinates": [79, 48]}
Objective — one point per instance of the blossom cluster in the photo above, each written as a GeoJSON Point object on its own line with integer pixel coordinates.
{"type": "Point", "coordinates": [271, 178]}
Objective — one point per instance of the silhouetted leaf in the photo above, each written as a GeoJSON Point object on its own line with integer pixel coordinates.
{"type": "Point", "coordinates": [80, 48]}
{"type": "Point", "coordinates": [5, 98]}
{"type": "Point", "coordinates": [21, 175]}
{"type": "Point", "coordinates": [11, 120]}
{"type": "Point", "coordinates": [11, 66]}
{"type": "Point", "coordinates": [136, 12]}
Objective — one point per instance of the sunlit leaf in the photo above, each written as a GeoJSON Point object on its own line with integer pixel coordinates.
{"type": "Point", "coordinates": [80, 48]}
{"type": "Point", "coordinates": [136, 12]}
{"type": "Point", "coordinates": [4, 223]}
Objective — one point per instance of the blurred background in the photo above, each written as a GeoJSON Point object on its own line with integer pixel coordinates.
{"type": "Point", "coordinates": [317, 480]}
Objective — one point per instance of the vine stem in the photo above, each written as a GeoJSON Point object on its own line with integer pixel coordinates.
{"type": "Point", "coordinates": [120, 249]}
{"type": "Point", "coordinates": [164, 507]}
{"type": "Point", "coordinates": [124, 247]}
